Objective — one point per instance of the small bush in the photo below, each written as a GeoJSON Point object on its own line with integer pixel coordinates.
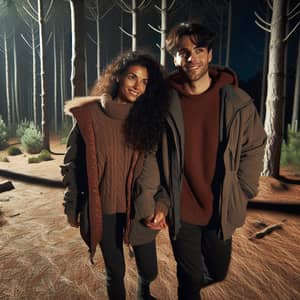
{"type": "Point", "coordinates": [21, 128]}
{"type": "Point", "coordinates": [45, 155]}
{"type": "Point", "coordinates": [32, 140]}
{"type": "Point", "coordinates": [33, 160]}
{"type": "Point", "coordinates": [290, 152]}
{"type": "Point", "coordinates": [3, 134]}
{"type": "Point", "coordinates": [13, 150]}
{"type": "Point", "coordinates": [65, 130]}
{"type": "Point", "coordinates": [4, 159]}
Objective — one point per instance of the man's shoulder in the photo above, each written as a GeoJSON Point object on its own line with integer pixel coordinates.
{"type": "Point", "coordinates": [235, 95]}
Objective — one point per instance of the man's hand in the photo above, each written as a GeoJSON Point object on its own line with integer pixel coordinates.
{"type": "Point", "coordinates": [156, 221]}
{"type": "Point", "coordinates": [73, 222]}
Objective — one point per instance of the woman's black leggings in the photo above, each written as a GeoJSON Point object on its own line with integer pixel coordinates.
{"type": "Point", "coordinates": [112, 250]}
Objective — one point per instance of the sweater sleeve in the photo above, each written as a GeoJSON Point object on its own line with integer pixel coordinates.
{"type": "Point", "coordinates": [148, 196]}
{"type": "Point", "coordinates": [74, 175]}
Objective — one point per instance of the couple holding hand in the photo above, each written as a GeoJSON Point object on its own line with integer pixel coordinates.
{"type": "Point", "coordinates": [149, 151]}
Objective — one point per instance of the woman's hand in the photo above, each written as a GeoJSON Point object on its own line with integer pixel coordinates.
{"type": "Point", "coordinates": [156, 221]}
{"type": "Point", "coordinates": [73, 222]}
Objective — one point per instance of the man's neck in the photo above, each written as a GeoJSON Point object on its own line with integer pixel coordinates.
{"type": "Point", "coordinates": [198, 87]}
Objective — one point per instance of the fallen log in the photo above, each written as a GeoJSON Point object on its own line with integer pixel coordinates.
{"type": "Point", "coordinates": [267, 230]}
{"type": "Point", "coordinates": [6, 186]}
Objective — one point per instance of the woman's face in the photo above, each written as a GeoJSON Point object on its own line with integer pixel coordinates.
{"type": "Point", "coordinates": [133, 83]}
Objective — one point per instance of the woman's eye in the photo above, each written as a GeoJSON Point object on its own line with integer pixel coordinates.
{"type": "Point", "coordinates": [131, 77]}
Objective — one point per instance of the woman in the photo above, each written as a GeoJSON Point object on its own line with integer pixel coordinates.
{"type": "Point", "coordinates": [117, 131]}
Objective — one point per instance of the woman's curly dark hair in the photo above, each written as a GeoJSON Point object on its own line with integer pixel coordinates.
{"type": "Point", "coordinates": [145, 123]}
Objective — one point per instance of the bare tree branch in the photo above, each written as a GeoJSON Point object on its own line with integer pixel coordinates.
{"type": "Point", "coordinates": [124, 31]}
{"type": "Point", "coordinates": [155, 29]}
{"type": "Point", "coordinates": [171, 5]}
{"type": "Point", "coordinates": [292, 11]}
{"type": "Point", "coordinates": [124, 6]}
{"type": "Point", "coordinates": [157, 7]}
{"type": "Point", "coordinates": [91, 39]}
{"type": "Point", "coordinates": [294, 15]}
{"type": "Point", "coordinates": [261, 19]}
{"type": "Point", "coordinates": [30, 14]}
{"type": "Point", "coordinates": [32, 8]}
{"type": "Point", "coordinates": [25, 40]}
{"type": "Point", "coordinates": [291, 32]}
{"type": "Point", "coordinates": [262, 27]}
{"type": "Point", "coordinates": [108, 10]}
{"type": "Point", "coordinates": [48, 11]}
{"type": "Point", "coordinates": [269, 4]}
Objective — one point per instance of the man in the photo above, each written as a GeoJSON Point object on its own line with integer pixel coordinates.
{"type": "Point", "coordinates": [211, 158]}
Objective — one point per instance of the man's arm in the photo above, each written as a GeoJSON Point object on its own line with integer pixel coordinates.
{"type": "Point", "coordinates": [251, 160]}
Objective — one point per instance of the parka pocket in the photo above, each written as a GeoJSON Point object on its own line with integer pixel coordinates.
{"type": "Point", "coordinates": [237, 206]}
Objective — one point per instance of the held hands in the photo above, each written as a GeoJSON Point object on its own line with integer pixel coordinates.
{"type": "Point", "coordinates": [156, 221]}
{"type": "Point", "coordinates": [73, 222]}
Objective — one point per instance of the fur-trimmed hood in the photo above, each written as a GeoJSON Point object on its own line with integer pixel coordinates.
{"type": "Point", "coordinates": [81, 101]}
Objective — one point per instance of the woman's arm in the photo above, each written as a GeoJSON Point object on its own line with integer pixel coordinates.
{"type": "Point", "coordinates": [74, 176]}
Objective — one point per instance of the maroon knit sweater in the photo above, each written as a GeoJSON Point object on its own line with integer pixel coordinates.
{"type": "Point", "coordinates": [201, 129]}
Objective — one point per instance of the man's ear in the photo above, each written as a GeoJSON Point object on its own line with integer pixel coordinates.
{"type": "Point", "coordinates": [210, 55]}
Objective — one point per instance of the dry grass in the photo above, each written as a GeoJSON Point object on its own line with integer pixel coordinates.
{"type": "Point", "coordinates": [41, 257]}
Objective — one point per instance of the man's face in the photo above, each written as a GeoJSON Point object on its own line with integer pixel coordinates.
{"type": "Point", "coordinates": [193, 60]}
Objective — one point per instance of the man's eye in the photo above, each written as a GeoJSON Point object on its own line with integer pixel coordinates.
{"type": "Point", "coordinates": [199, 50]}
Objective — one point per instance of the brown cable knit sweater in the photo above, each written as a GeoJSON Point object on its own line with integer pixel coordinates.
{"type": "Point", "coordinates": [114, 156]}
{"type": "Point", "coordinates": [201, 123]}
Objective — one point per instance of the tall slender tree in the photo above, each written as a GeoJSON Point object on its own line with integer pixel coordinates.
{"type": "Point", "coordinates": [275, 97]}
{"type": "Point", "coordinates": [78, 41]}
{"type": "Point", "coordinates": [132, 9]}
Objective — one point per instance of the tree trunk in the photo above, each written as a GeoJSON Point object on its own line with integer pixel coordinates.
{"type": "Point", "coordinates": [62, 78]}
{"type": "Point", "coordinates": [34, 88]}
{"type": "Point", "coordinates": [221, 25]}
{"type": "Point", "coordinates": [98, 37]}
{"type": "Point", "coordinates": [133, 15]}
{"type": "Point", "coordinates": [55, 78]}
{"type": "Point", "coordinates": [78, 33]}
{"type": "Point", "coordinates": [16, 82]}
{"type": "Point", "coordinates": [295, 116]}
{"type": "Point", "coordinates": [228, 33]}
{"type": "Point", "coordinates": [163, 32]}
{"type": "Point", "coordinates": [45, 125]}
{"type": "Point", "coordinates": [8, 102]}
{"type": "Point", "coordinates": [274, 105]}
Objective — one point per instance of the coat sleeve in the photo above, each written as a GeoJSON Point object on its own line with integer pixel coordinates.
{"type": "Point", "coordinates": [251, 160]}
{"type": "Point", "coordinates": [74, 175]}
{"type": "Point", "coordinates": [148, 195]}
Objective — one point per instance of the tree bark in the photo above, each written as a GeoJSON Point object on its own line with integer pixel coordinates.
{"type": "Point", "coordinates": [78, 33]}
{"type": "Point", "coordinates": [295, 116]}
{"type": "Point", "coordinates": [274, 104]}
{"type": "Point", "coordinates": [45, 125]}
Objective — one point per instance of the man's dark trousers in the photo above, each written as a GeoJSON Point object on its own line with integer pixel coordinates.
{"type": "Point", "coordinates": [202, 259]}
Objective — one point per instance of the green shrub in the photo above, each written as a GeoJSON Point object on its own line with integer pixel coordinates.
{"type": "Point", "coordinates": [33, 160]}
{"type": "Point", "coordinates": [4, 159]}
{"type": "Point", "coordinates": [45, 155]}
{"type": "Point", "coordinates": [3, 134]}
{"type": "Point", "coordinates": [290, 152]}
{"type": "Point", "coordinates": [13, 150]}
{"type": "Point", "coordinates": [32, 140]}
{"type": "Point", "coordinates": [21, 128]}
{"type": "Point", "coordinates": [65, 130]}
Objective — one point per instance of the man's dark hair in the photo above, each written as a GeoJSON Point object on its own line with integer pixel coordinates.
{"type": "Point", "coordinates": [199, 34]}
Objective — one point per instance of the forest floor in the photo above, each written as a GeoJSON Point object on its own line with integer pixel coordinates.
{"type": "Point", "coordinates": [42, 257]}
